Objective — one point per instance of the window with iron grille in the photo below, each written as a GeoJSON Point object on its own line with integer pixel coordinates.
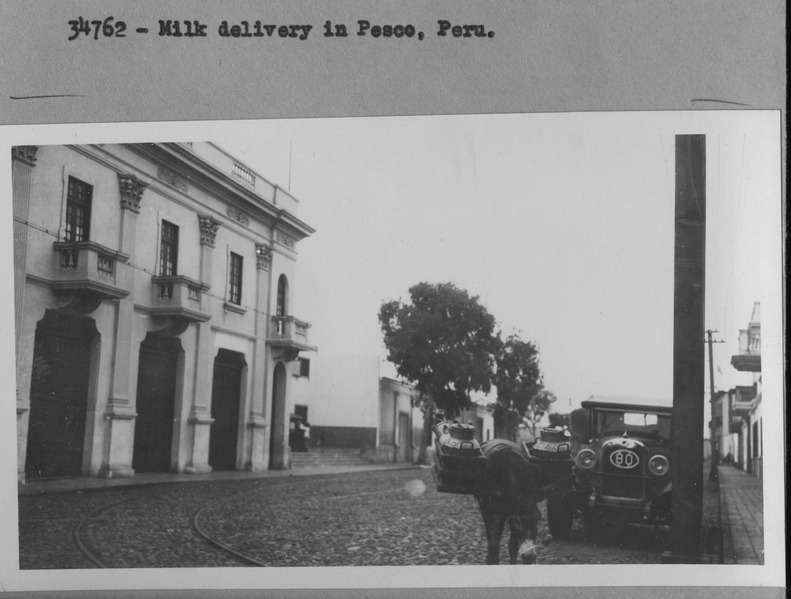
{"type": "Point", "coordinates": [235, 283]}
{"type": "Point", "coordinates": [169, 250]}
{"type": "Point", "coordinates": [78, 210]}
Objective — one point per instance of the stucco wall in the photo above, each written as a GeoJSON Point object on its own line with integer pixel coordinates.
{"type": "Point", "coordinates": [342, 391]}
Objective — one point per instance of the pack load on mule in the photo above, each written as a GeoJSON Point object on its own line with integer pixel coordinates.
{"type": "Point", "coordinates": [460, 461]}
{"type": "Point", "coordinates": [552, 454]}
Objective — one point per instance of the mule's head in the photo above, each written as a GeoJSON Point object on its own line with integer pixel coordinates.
{"type": "Point", "coordinates": [527, 552]}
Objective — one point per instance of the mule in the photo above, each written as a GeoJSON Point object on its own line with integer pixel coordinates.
{"type": "Point", "coordinates": [510, 491]}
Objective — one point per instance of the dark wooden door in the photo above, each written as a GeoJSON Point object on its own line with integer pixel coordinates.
{"type": "Point", "coordinates": [156, 396]}
{"type": "Point", "coordinates": [225, 411]}
{"type": "Point", "coordinates": [58, 400]}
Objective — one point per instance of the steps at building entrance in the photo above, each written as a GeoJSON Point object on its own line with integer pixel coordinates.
{"type": "Point", "coordinates": [316, 458]}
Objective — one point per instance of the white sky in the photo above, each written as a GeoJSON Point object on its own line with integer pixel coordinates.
{"type": "Point", "coordinates": [562, 223]}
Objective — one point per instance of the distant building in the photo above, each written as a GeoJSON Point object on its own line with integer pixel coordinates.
{"type": "Point", "coordinates": [400, 422]}
{"type": "Point", "coordinates": [339, 396]}
{"type": "Point", "coordinates": [481, 418]}
{"type": "Point", "coordinates": [737, 416]}
{"type": "Point", "coordinates": [154, 332]}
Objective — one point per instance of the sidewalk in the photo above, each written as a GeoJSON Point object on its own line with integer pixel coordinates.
{"type": "Point", "coordinates": [79, 484]}
{"type": "Point", "coordinates": [742, 517]}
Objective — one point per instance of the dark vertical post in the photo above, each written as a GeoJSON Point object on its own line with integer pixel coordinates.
{"type": "Point", "coordinates": [688, 351]}
{"type": "Point", "coordinates": [715, 442]}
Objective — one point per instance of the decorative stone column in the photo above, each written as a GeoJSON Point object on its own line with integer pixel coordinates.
{"type": "Point", "coordinates": [120, 413]}
{"type": "Point", "coordinates": [208, 232]}
{"type": "Point", "coordinates": [24, 159]}
{"type": "Point", "coordinates": [23, 162]}
{"type": "Point", "coordinates": [200, 419]}
{"type": "Point", "coordinates": [256, 420]}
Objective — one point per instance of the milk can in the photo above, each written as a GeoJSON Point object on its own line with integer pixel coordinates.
{"type": "Point", "coordinates": [459, 460]}
{"type": "Point", "coordinates": [553, 443]}
{"type": "Point", "coordinates": [551, 453]}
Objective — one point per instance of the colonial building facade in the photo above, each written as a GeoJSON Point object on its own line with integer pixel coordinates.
{"type": "Point", "coordinates": [737, 414]}
{"type": "Point", "coordinates": [153, 290]}
{"type": "Point", "coordinates": [746, 408]}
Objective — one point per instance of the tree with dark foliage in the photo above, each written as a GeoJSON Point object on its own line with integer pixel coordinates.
{"type": "Point", "coordinates": [444, 343]}
{"type": "Point", "coordinates": [519, 386]}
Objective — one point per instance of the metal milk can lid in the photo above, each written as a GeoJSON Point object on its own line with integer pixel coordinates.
{"type": "Point", "coordinates": [464, 432]}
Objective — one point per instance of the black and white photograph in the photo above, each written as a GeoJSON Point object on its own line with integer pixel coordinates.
{"type": "Point", "coordinates": [251, 350]}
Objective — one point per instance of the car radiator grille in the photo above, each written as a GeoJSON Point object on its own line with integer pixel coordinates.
{"type": "Point", "coordinates": [619, 482]}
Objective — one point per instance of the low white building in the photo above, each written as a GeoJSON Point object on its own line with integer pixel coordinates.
{"type": "Point", "coordinates": [338, 395]}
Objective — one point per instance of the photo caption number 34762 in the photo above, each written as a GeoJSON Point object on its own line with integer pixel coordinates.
{"type": "Point", "coordinates": [110, 27]}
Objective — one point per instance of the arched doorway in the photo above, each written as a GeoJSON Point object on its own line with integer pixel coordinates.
{"type": "Point", "coordinates": [277, 437]}
{"type": "Point", "coordinates": [156, 397]}
{"type": "Point", "coordinates": [225, 400]}
{"type": "Point", "coordinates": [60, 381]}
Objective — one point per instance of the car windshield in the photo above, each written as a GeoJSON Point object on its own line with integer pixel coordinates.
{"type": "Point", "coordinates": [635, 424]}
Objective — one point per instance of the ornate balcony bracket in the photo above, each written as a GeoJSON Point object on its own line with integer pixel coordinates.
{"type": "Point", "coordinates": [287, 354]}
{"type": "Point", "coordinates": [170, 326]}
{"type": "Point", "coordinates": [79, 302]}
{"type": "Point", "coordinates": [288, 336]}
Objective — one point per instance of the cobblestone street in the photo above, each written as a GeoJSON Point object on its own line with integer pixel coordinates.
{"type": "Point", "coordinates": [355, 519]}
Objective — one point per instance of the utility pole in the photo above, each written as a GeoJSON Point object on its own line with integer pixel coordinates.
{"type": "Point", "coordinates": [715, 454]}
{"type": "Point", "coordinates": [689, 362]}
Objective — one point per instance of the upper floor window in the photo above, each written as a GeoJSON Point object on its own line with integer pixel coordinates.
{"type": "Point", "coordinates": [281, 296]}
{"type": "Point", "coordinates": [302, 367]}
{"type": "Point", "coordinates": [169, 249]}
{"type": "Point", "coordinates": [235, 280]}
{"type": "Point", "coordinates": [78, 210]}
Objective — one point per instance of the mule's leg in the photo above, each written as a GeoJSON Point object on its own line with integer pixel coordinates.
{"type": "Point", "coordinates": [494, 533]}
{"type": "Point", "coordinates": [494, 523]}
{"type": "Point", "coordinates": [516, 539]}
{"type": "Point", "coordinates": [523, 542]}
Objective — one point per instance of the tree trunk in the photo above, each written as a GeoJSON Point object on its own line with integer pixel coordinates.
{"type": "Point", "coordinates": [504, 429]}
{"type": "Point", "coordinates": [425, 438]}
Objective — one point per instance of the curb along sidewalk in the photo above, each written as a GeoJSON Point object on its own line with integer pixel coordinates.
{"type": "Point", "coordinates": [82, 484]}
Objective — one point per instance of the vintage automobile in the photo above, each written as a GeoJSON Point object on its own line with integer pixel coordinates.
{"type": "Point", "coordinates": [621, 469]}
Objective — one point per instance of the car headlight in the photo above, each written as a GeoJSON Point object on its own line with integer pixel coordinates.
{"type": "Point", "coordinates": [586, 459]}
{"type": "Point", "coordinates": [658, 465]}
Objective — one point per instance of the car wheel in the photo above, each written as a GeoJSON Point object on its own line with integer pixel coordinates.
{"type": "Point", "coordinates": [560, 513]}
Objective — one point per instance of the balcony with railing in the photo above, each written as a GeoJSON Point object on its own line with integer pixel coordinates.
{"type": "Point", "coordinates": [289, 336]}
{"type": "Point", "coordinates": [181, 297]}
{"type": "Point", "coordinates": [749, 357]}
{"type": "Point", "coordinates": [88, 267]}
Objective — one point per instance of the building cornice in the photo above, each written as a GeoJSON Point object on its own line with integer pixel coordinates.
{"type": "Point", "coordinates": [103, 156]}
{"type": "Point", "coordinates": [26, 154]}
{"type": "Point", "coordinates": [187, 167]}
